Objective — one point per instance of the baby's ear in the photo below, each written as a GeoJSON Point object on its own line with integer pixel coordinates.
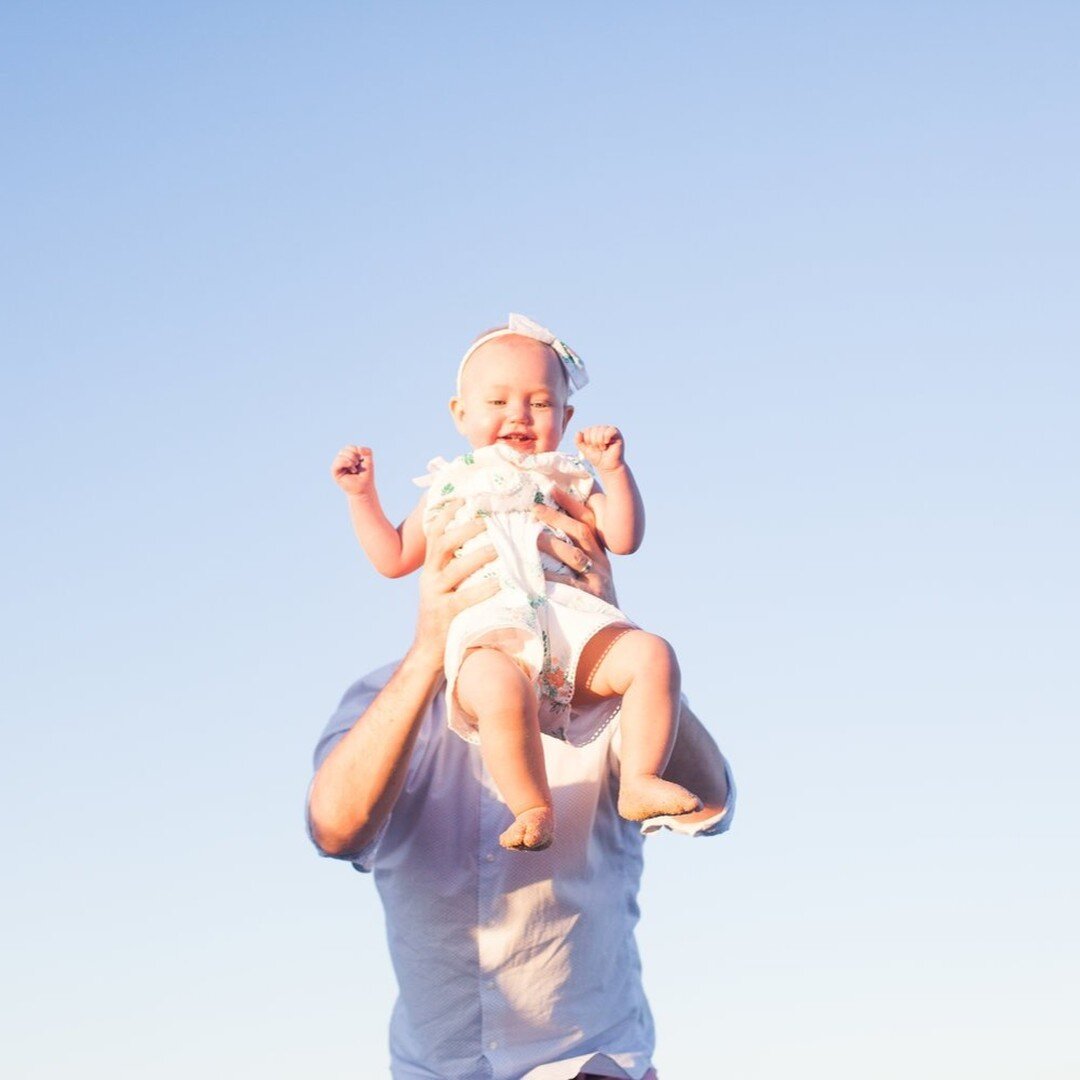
{"type": "Point", "coordinates": [457, 411]}
{"type": "Point", "coordinates": [568, 412]}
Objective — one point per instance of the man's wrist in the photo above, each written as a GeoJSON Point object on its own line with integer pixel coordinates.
{"type": "Point", "coordinates": [425, 657]}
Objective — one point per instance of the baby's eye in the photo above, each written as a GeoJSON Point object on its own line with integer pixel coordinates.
{"type": "Point", "coordinates": [541, 404]}
{"type": "Point", "coordinates": [497, 402]}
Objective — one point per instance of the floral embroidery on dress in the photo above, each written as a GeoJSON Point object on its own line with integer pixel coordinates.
{"type": "Point", "coordinates": [554, 685]}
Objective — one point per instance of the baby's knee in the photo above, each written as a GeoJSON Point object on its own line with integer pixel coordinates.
{"type": "Point", "coordinates": [489, 675]}
{"type": "Point", "coordinates": [653, 653]}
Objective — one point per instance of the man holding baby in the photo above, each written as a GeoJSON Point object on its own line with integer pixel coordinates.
{"type": "Point", "coordinates": [510, 966]}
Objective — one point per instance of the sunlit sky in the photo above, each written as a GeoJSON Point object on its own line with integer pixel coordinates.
{"type": "Point", "coordinates": [821, 260]}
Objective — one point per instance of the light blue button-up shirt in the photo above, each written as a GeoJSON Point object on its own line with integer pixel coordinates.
{"type": "Point", "coordinates": [510, 965]}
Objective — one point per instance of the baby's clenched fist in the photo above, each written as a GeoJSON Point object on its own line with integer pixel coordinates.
{"type": "Point", "coordinates": [601, 446]}
{"type": "Point", "coordinates": [353, 470]}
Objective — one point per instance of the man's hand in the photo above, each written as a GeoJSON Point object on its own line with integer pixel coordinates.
{"type": "Point", "coordinates": [584, 553]}
{"type": "Point", "coordinates": [353, 470]}
{"type": "Point", "coordinates": [443, 571]}
{"type": "Point", "coordinates": [602, 447]}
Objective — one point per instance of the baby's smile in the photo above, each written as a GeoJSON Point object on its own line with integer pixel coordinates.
{"type": "Point", "coordinates": [518, 439]}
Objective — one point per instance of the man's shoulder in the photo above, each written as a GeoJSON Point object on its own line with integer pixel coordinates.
{"type": "Point", "coordinates": [370, 684]}
{"type": "Point", "coordinates": [354, 702]}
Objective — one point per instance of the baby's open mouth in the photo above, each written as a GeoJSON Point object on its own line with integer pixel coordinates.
{"type": "Point", "coordinates": [518, 437]}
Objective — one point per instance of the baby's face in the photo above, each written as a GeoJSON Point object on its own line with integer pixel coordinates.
{"type": "Point", "coordinates": [513, 391]}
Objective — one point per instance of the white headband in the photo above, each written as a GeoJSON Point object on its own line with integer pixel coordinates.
{"type": "Point", "coordinates": [576, 375]}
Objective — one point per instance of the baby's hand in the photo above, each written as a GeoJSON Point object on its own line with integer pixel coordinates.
{"type": "Point", "coordinates": [601, 446]}
{"type": "Point", "coordinates": [354, 470]}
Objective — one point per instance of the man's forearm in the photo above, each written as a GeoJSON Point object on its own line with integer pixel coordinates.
{"type": "Point", "coordinates": [357, 785]}
{"type": "Point", "coordinates": [697, 764]}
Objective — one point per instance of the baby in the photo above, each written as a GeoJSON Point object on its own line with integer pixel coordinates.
{"type": "Point", "coordinates": [541, 655]}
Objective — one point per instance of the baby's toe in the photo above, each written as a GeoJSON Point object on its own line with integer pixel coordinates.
{"type": "Point", "coordinates": [647, 797]}
{"type": "Point", "coordinates": [532, 830]}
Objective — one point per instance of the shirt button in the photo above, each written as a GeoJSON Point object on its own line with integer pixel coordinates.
{"type": "Point", "coordinates": [493, 1045]}
{"type": "Point", "coordinates": [491, 984]}
{"type": "Point", "coordinates": [489, 857]}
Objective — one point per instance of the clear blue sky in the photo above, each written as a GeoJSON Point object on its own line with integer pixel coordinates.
{"type": "Point", "coordinates": [821, 261]}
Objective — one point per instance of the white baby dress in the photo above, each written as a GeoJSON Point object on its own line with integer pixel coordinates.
{"type": "Point", "coordinates": [542, 624]}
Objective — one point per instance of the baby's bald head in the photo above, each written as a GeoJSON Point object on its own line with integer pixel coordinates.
{"type": "Point", "coordinates": [515, 356]}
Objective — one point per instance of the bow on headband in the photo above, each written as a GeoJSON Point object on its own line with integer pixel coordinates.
{"type": "Point", "coordinates": [576, 374]}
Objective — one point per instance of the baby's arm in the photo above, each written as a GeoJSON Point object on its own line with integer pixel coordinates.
{"type": "Point", "coordinates": [619, 511]}
{"type": "Point", "coordinates": [394, 552]}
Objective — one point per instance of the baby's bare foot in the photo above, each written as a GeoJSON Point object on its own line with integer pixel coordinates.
{"type": "Point", "coordinates": [642, 797]}
{"type": "Point", "coordinates": [533, 830]}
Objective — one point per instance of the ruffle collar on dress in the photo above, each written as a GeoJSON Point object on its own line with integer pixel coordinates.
{"type": "Point", "coordinates": [554, 463]}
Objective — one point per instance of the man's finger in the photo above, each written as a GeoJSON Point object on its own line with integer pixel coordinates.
{"type": "Point", "coordinates": [590, 583]}
{"type": "Point", "coordinates": [584, 540]}
{"type": "Point", "coordinates": [458, 570]}
{"type": "Point", "coordinates": [442, 540]}
{"type": "Point", "coordinates": [572, 508]}
{"type": "Point", "coordinates": [577, 509]}
{"type": "Point", "coordinates": [445, 515]}
{"type": "Point", "coordinates": [568, 554]}
{"type": "Point", "coordinates": [457, 535]}
{"type": "Point", "coordinates": [474, 594]}
{"type": "Point", "coordinates": [575, 528]}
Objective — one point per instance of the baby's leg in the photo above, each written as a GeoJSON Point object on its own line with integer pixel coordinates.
{"type": "Point", "coordinates": [642, 669]}
{"type": "Point", "coordinates": [493, 690]}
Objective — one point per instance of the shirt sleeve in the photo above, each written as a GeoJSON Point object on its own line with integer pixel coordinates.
{"type": "Point", "coordinates": [351, 709]}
